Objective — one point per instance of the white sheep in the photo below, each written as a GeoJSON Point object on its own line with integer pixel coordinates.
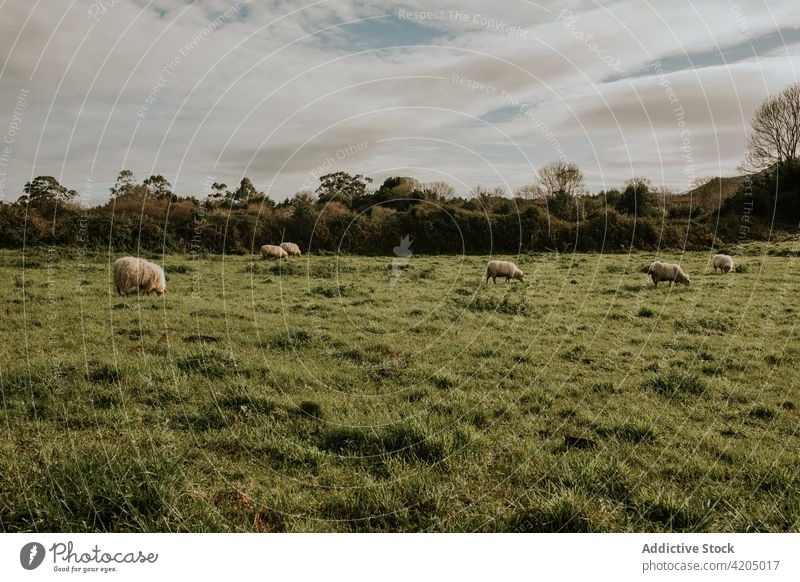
{"type": "Point", "coordinates": [273, 252]}
{"type": "Point", "coordinates": [131, 273]}
{"type": "Point", "coordinates": [507, 269]}
{"type": "Point", "coordinates": [722, 262]}
{"type": "Point", "coordinates": [291, 248]}
{"type": "Point", "coordinates": [667, 272]}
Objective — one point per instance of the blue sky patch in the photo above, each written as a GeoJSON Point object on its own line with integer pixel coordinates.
{"type": "Point", "coordinates": [759, 46]}
{"type": "Point", "coordinates": [502, 115]}
{"type": "Point", "coordinates": [379, 33]}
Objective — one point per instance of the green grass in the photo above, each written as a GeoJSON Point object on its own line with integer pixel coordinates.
{"type": "Point", "coordinates": [337, 394]}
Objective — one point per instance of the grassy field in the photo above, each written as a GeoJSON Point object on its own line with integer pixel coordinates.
{"type": "Point", "coordinates": [354, 394]}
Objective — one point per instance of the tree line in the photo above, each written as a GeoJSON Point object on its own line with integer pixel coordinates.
{"type": "Point", "coordinates": [348, 214]}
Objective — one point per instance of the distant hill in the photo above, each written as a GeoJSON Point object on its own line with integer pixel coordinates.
{"type": "Point", "coordinates": [712, 194]}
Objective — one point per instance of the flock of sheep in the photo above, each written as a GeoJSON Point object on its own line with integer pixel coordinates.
{"type": "Point", "coordinates": [657, 270]}
{"type": "Point", "coordinates": [283, 251]}
{"type": "Point", "coordinates": [674, 274]}
{"type": "Point", "coordinates": [135, 274]}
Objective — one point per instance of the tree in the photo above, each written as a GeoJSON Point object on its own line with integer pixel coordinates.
{"type": "Point", "coordinates": [398, 192]}
{"type": "Point", "coordinates": [528, 192]}
{"type": "Point", "coordinates": [438, 190]}
{"type": "Point", "coordinates": [219, 191]}
{"type": "Point", "coordinates": [485, 193]}
{"type": "Point", "coordinates": [304, 199]}
{"type": "Point", "coordinates": [303, 214]}
{"type": "Point", "coordinates": [247, 193]}
{"type": "Point", "coordinates": [158, 187]}
{"type": "Point", "coordinates": [560, 178]}
{"type": "Point", "coordinates": [773, 196]}
{"type": "Point", "coordinates": [124, 185]}
{"type": "Point", "coordinates": [46, 191]}
{"type": "Point", "coordinates": [399, 187]}
{"type": "Point", "coordinates": [342, 187]}
{"type": "Point", "coordinates": [637, 199]}
{"type": "Point", "coordinates": [488, 198]}
{"type": "Point", "coordinates": [775, 134]}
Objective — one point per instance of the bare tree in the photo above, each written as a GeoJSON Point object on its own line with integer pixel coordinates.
{"type": "Point", "coordinates": [560, 178]}
{"type": "Point", "coordinates": [775, 133]}
{"type": "Point", "coordinates": [439, 190]}
{"type": "Point", "coordinates": [488, 198]}
{"type": "Point", "coordinates": [528, 192]}
{"type": "Point", "coordinates": [484, 193]}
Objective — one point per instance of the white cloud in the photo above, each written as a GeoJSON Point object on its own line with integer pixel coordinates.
{"type": "Point", "coordinates": [265, 84]}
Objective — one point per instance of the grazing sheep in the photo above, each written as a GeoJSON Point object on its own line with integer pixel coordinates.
{"type": "Point", "coordinates": [667, 272]}
{"type": "Point", "coordinates": [132, 273]}
{"type": "Point", "coordinates": [507, 269]}
{"type": "Point", "coordinates": [722, 262]}
{"type": "Point", "coordinates": [292, 249]}
{"type": "Point", "coordinates": [273, 252]}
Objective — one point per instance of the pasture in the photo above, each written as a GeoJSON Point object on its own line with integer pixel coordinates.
{"type": "Point", "coordinates": [351, 393]}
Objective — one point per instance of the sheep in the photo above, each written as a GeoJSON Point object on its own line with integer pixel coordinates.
{"type": "Point", "coordinates": [292, 249]}
{"type": "Point", "coordinates": [132, 273]}
{"type": "Point", "coordinates": [507, 269]}
{"type": "Point", "coordinates": [722, 262]}
{"type": "Point", "coordinates": [667, 272]}
{"type": "Point", "coordinates": [273, 252]}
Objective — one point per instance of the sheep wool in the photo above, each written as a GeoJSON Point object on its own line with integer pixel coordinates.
{"type": "Point", "coordinates": [292, 249]}
{"type": "Point", "coordinates": [507, 269]}
{"type": "Point", "coordinates": [668, 272]}
{"type": "Point", "coordinates": [132, 273]}
{"type": "Point", "coordinates": [722, 262]}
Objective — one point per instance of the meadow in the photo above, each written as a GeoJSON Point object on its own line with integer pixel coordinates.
{"type": "Point", "coordinates": [352, 393]}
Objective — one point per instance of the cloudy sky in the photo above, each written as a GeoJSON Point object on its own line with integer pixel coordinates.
{"type": "Point", "coordinates": [464, 91]}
